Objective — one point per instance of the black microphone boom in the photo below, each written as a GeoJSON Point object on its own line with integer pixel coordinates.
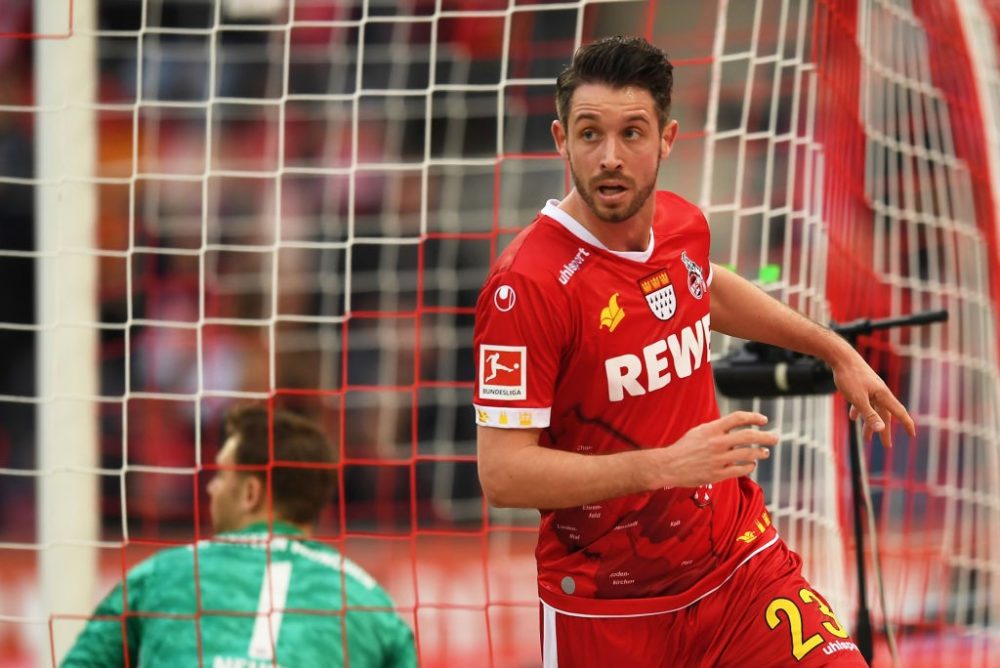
{"type": "Point", "coordinates": [758, 370]}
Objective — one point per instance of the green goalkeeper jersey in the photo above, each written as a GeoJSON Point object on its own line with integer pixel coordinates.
{"type": "Point", "coordinates": [264, 600]}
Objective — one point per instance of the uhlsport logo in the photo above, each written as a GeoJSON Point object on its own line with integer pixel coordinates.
{"type": "Point", "coordinates": [696, 279]}
{"type": "Point", "coordinates": [573, 265]}
{"type": "Point", "coordinates": [504, 298]}
{"type": "Point", "coordinates": [502, 372]}
{"type": "Point", "coordinates": [612, 314]}
{"type": "Point", "coordinates": [659, 294]}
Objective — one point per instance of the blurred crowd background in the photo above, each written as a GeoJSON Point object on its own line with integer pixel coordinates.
{"type": "Point", "coordinates": [330, 151]}
{"type": "Point", "coordinates": [301, 204]}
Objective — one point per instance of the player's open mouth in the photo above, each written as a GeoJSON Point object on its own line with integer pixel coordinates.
{"type": "Point", "coordinates": [611, 191]}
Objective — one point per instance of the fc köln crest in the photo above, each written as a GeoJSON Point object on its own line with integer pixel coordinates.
{"type": "Point", "coordinates": [659, 294]}
{"type": "Point", "coordinates": [696, 279]}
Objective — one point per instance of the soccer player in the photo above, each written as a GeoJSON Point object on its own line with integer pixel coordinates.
{"type": "Point", "coordinates": [268, 595]}
{"type": "Point", "coordinates": [595, 403]}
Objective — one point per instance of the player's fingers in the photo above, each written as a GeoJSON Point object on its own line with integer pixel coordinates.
{"type": "Point", "coordinates": [741, 419]}
{"type": "Point", "coordinates": [748, 454]}
{"type": "Point", "coordinates": [893, 408]}
{"type": "Point", "coordinates": [873, 422]}
{"type": "Point", "coordinates": [744, 469]}
{"type": "Point", "coordinates": [739, 469]}
{"type": "Point", "coordinates": [853, 413]}
{"type": "Point", "coordinates": [886, 434]}
{"type": "Point", "coordinates": [744, 438]}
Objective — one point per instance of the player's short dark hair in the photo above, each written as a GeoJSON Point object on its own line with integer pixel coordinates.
{"type": "Point", "coordinates": [618, 62]}
{"type": "Point", "coordinates": [302, 474]}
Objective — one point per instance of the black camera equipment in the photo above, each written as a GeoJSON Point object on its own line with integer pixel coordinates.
{"type": "Point", "coordinates": [757, 370]}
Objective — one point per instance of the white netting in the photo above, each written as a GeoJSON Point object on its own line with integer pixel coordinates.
{"type": "Point", "coordinates": [302, 198]}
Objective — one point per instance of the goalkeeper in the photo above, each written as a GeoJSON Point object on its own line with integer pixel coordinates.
{"type": "Point", "coordinates": [268, 595]}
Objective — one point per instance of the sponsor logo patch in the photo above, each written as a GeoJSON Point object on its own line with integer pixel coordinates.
{"type": "Point", "coordinates": [612, 314]}
{"type": "Point", "coordinates": [659, 294]}
{"type": "Point", "coordinates": [504, 298]}
{"type": "Point", "coordinates": [659, 363]}
{"type": "Point", "coordinates": [502, 373]}
{"type": "Point", "coordinates": [761, 523]}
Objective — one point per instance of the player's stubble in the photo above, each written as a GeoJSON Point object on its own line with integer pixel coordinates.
{"type": "Point", "coordinates": [612, 216]}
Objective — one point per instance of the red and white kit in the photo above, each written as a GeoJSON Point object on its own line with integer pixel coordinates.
{"type": "Point", "coordinates": [607, 352]}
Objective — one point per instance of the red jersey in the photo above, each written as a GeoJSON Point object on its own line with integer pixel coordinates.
{"type": "Point", "coordinates": [607, 352]}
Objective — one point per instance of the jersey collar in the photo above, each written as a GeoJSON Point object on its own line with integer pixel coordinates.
{"type": "Point", "coordinates": [276, 528]}
{"type": "Point", "coordinates": [574, 227]}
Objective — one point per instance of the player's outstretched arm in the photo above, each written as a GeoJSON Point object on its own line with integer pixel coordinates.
{"type": "Point", "coordinates": [516, 472]}
{"type": "Point", "coordinates": [739, 308]}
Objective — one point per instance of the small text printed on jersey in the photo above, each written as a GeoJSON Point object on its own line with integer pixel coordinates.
{"type": "Point", "coordinates": [573, 265]}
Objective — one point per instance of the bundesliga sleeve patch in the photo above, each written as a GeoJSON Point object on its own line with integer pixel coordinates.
{"type": "Point", "coordinates": [502, 372]}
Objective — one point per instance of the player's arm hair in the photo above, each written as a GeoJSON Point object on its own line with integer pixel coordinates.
{"type": "Point", "coordinates": [741, 309]}
{"type": "Point", "coordinates": [515, 471]}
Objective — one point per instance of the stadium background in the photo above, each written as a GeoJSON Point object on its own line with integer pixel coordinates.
{"type": "Point", "coordinates": [297, 202]}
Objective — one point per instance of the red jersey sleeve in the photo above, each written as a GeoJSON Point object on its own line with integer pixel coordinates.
{"type": "Point", "coordinates": [710, 273]}
{"type": "Point", "coordinates": [520, 336]}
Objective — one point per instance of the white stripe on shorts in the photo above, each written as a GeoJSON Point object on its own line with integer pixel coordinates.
{"type": "Point", "coordinates": [550, 653]}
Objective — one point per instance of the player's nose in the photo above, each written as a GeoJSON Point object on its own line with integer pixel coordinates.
{"type": "Point", "coordinates": [610, 158]}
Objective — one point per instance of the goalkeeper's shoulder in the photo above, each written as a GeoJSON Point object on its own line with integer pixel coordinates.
{"type": "Point", "coordinates": [395, 635]}
{"type": "Point", "coordinates": [401, 651]}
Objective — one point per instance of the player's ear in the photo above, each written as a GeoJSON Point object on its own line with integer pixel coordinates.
{"type": "Point", "coordinates": [667, 138]}
{"type": "Point", "coordinates": [254, 493]}
{"type": "Point", "coordinates": [559, 135]}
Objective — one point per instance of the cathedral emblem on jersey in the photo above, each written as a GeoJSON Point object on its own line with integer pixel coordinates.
{"type": "Point", "coordinates": [659, 294]}
{"type": "Point", "coordinates": [502, 373]}
{"type": "Point", "coordinates": [612, 314]}
{"type": "Point", "coordinates": [696, 279]}
{"type": "Point", "coordinates": [702, 496]}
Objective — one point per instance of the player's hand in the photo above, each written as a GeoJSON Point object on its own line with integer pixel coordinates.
{"type": "Point", "coordinates": [870, 398]}
{"type": "Point", "coordinates": [717, 450]}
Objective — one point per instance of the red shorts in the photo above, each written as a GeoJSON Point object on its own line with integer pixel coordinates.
{"type": "Point", "coordinates": [765, 615]}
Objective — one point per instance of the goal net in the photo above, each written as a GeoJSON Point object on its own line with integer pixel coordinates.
{"type": "Point", "coordinates": [296, 201]}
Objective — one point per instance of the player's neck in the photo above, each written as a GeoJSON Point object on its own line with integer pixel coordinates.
{"type": "Point", "coordinates": [263, 518]}
{"type": "Point", "coordinates": [631, 234]}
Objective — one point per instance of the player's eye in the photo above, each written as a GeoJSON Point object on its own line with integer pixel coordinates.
{"type": "Point", "coordinates": [632, 133]}
{"type": "Point", "coordinates": [588, 134]}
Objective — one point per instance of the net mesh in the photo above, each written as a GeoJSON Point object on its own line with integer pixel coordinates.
{"type": "Point", "coordinates": [298, 202]}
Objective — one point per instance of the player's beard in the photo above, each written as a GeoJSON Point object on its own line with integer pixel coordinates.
{"type": "Point", "coordinates": [608, 215]}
